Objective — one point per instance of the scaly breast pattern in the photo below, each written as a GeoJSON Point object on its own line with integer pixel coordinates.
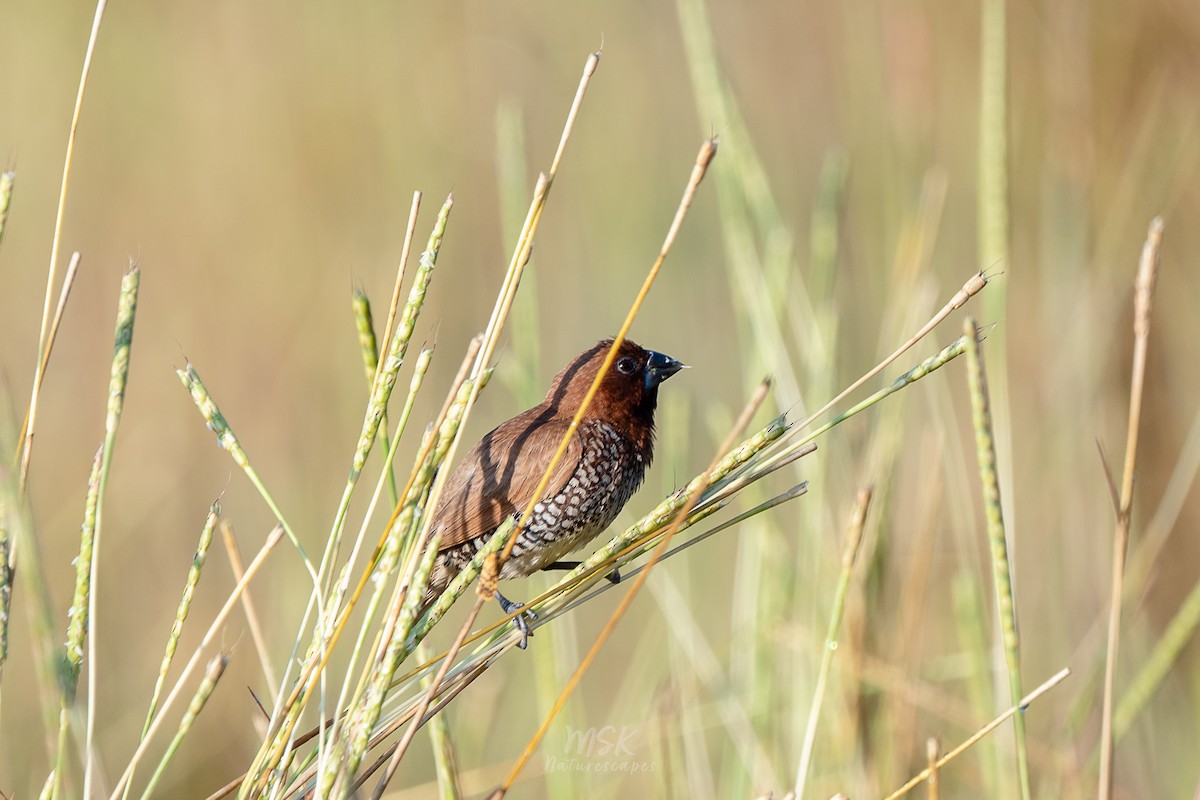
{"type": "Point", "coordinates": [609, 472]}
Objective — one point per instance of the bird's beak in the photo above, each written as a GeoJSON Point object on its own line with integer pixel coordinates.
{"type": "Point", "coordinates": [660, 367]}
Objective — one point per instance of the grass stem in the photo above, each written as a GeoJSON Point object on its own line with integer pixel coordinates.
{"type": "Point", "coordinates": [1143, 300]}
{"type": "Point", "coordinates": [854, 537]}
{"type": "Point", "coordinates": [985, 448]}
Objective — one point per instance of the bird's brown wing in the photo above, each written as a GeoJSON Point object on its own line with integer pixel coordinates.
{"type": "Point", "coordinates": [498, 476]}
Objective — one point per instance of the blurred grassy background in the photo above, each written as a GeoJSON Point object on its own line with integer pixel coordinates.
{"type": "Point", "coordinates": [259, 161]}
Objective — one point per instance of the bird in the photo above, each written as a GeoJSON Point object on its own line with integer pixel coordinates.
{"type": "Point", "coordinates": [604, 464]}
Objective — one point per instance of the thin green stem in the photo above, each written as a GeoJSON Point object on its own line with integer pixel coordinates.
{"type": "Point", "coordinates": [126, 312]}
{"type": "Point", "coordinates": [849, 556]}
{"type": "Point", "coordinates": [216, 668]}
{"type": "Point", "coordinates": [1002, 572]}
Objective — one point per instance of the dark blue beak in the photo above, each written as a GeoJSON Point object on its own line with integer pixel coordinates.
{"type": "Point", "coordinates": [659, 367]}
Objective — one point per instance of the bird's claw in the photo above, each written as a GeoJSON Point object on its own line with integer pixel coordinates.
{"type": "Point", "coordinates": [521, 620]}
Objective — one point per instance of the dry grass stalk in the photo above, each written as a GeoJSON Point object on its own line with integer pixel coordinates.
{"type": "Point", "coordinates": [1142, 301]}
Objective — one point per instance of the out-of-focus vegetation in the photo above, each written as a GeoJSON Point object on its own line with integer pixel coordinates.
{"type": "Point", "coordinates": [259, 160]}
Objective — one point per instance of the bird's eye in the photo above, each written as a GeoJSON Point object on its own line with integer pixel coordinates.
{"type": "Point", "coordinates": [626, 365]}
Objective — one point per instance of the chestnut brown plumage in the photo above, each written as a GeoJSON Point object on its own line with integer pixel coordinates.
{"type": "Point", "coordinates": [603, 466]}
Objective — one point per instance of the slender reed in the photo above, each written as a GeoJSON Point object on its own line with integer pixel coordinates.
{"type": "Point", "coordinates": [126, 311]}
{"type": "Point", "coordinates": [1002, 573]}
{"type": "Point", "coordinates": [216, 668]}
{"type": "Point", "coordinates": [77, 624]}
{"type": "Point", "coordinates": [992, 204]}
{"type": "Point", "coordinates": [1143, 299]}
{"type": "Point", "coordinates": [55, 242]}
{"type": "Point", "coordinates": [234, 553]}
{"type": "Point", "coordinates": [849, 556]}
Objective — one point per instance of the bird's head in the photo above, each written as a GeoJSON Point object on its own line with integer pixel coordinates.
{"type": "Point", "coordinates": [629, 392]}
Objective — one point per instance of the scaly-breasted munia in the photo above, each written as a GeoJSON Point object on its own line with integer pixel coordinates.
{"type": "Point", "coordinates": [603, 466]}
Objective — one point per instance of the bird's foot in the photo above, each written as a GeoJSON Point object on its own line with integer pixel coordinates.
{"type": "Point", "coordinates": [614, 576]}
{"type": "Point", "coordinates": [521, 620]}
